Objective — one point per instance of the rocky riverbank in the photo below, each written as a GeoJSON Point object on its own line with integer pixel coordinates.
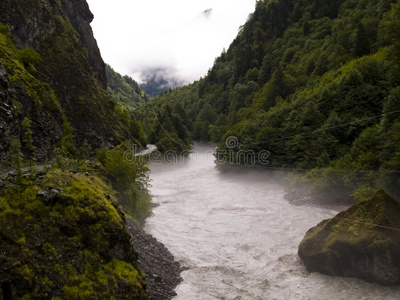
{"type": "Point", "coordinates": [159, 265]}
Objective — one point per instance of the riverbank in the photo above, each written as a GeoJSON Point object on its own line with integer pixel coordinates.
{"type": "Point", "coordinates": [156, 261]}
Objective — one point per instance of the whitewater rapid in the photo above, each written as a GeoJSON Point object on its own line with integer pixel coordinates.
{"type": "Point", "coordinates": [237, 236]}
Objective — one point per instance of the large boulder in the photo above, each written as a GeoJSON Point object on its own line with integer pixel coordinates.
{"type": "Point", "coordinates": [361, 242]}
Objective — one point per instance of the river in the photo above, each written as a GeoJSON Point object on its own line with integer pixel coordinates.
{"type": "Point", "coordinates": [238, 236]}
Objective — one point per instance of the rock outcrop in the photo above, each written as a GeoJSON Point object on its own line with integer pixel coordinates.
{"type": "Point", "coordinates": [361, 242]}
{"type": "Point", "coordinates": [46, 127]}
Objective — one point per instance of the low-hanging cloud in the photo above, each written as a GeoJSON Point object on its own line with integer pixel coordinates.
{"type": "Point", "coordinates": [183, 37]}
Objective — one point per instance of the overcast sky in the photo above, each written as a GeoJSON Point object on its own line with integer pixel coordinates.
{"type": "Point", "coordinates": [183, 36]}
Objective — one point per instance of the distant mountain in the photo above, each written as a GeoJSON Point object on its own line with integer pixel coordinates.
{"type": "Point", "coordinates": [124, 90]}
{"type": "Point", "coordinates": [159, 80]}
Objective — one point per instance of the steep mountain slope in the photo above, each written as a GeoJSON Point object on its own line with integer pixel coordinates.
{"type": "Point", "coordinates": [52, 74]}
{"type": "Point", "coordinates": [311, 83]}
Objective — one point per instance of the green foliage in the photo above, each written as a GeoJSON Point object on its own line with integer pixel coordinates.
{"type": "Point", "coordinates": [128, 175]}
{"type": "Point", "coordinates": [392, 32]}
{"type": "Point", "coordinates": [19, 65]}
{"type": "Point", "coordinates": [169, 128]}
{"type": "Point", "coordinates": [67, 146]}
{"type": "Point", "coordinates": [28, 134]}
{"type": "Point", "coordinates": [122, 115]}
{"type": "Point", "coordinates": [134, 127]}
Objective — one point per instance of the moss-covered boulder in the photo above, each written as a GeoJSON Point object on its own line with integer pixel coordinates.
{"type": "Point", "coordinates": [62, 236]}
{"type": "Point", "coordinates": [361, 242]}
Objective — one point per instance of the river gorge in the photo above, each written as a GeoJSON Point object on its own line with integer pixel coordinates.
{"type": "Point", "coordinates": [237, 236]}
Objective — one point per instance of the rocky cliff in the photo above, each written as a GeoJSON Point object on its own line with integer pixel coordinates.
{"type": "Point", "coordinates": [361, 242]}
{"type": "Point", "coordinates": [52, 73]}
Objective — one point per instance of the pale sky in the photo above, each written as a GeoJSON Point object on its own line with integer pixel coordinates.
{"type": "Point", "coordinates": [183, 36]}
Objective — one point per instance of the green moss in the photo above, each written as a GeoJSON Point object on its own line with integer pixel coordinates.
{"type": "Point", "coordinates": [28, 56]}
{"type": "Point", "coordinates": [59, 241]}
{"type": "Point", "coordinates": [367, 223]}
{"type": "Point", "coordinates": [19, 63]}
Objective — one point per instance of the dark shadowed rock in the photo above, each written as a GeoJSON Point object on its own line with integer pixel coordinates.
{"type": "Point", "coordinates": [361, 242]}
{"type": "Point", "coordinates": [157, 263]}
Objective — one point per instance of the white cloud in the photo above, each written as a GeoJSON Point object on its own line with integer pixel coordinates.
{"type": "Point", "coordinates": [182, 35]}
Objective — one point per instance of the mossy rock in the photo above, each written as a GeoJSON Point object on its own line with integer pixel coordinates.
{"type": "Point", "coordinates": [64, 237]}
{"type": "Point", "coordinates": [361, 242]}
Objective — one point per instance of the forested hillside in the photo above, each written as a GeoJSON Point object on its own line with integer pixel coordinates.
{"type": "Point", "coordinates": [314, 83]}
{"type": "Point", "coordinates": [124, 90]}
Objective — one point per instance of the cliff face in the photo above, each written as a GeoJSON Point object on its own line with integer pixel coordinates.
{"type": "Point", "coordinates": [80, 17]}
{"type": "Point", "coordinates": [47, 126]}
{"type": "Point", "coordinates": [70, 71]}
{"type": "Point", "coordinates": [362, 242]}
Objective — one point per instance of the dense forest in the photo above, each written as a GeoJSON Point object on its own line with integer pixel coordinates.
{"type": "Point", "coordinates": [313, 84]}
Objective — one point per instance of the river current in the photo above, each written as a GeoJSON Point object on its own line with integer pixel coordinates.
{"type": "Point", "coordinates": [237, 236]}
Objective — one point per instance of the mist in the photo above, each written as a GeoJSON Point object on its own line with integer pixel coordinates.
{"type": "Point", "coordinates": [180, 37]}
